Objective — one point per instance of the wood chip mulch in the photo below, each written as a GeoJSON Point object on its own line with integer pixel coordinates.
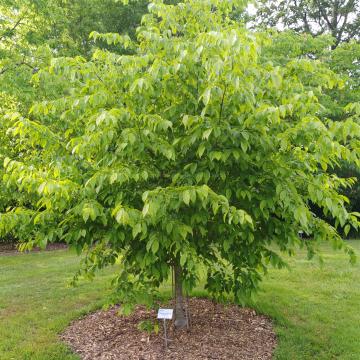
{"type": "Point", "coordinates": [217, 332]}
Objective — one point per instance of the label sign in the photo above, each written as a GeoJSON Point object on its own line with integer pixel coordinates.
{"type": "Point", "coordinates": [165, 314]}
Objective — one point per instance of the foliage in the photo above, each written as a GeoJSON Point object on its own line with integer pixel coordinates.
{"type": "Point", "coordinates": [31, 32]}
{"type": "Point", "coordinates": [340, 19]}
{"type": "Point", "coordinates": [312, 19]}
{"type": "Point", "coordinates": [189, 150]}
{"type": "Point", "coordinates": [344, 60]}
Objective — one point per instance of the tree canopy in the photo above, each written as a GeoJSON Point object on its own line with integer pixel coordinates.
{"type": "Point", "coordinates": [328, 31]}
{"type": "Point", "coordinates": [31, 32]}
{"type": "Point", "coordinates": [190, 151]}
{"type": "Point", "coordinates": [340, 19]}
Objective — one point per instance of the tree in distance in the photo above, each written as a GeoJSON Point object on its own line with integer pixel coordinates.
{"type": "Point", "coordinates": [340, 19]}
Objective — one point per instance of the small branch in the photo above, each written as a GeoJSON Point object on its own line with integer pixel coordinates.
{"type": "Point", "coordinates": [19, 64]}
{"type": "Point", "coordinates": [12, 29]}
{"type": "Point", "coordinates": [222, 103]}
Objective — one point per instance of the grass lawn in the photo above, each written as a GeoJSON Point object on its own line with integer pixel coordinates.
{"type": "Point", "coordinates": [316, 310]}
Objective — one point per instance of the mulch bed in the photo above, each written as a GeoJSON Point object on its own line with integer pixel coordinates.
{"type": "Point", "coordinates": [10, 249]}
{"type": "Point", "coordinates": [217, 332]}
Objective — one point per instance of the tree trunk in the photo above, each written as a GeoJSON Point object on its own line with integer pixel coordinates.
{"type": "Point", "coordinates": [180, 318]}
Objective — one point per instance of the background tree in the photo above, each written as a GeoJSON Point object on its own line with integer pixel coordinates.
{"type": "Point", "coordinates": [31, 33]}
{"type": "Point", "coordinates": [339, 18]}
{"type": "Point", "coordinates": [190, 152]}
{"type": "Point", "coordinates": [328, 31]}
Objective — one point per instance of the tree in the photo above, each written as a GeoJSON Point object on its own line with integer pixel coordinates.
{"type": "Point", "coordinates": [191, 152]}
{"type": "Point", "coordinates": [328, 31]}
{"type": "Point", "coordinates": [339, 18]}
{"type": "Point", "coordinates": [31, 32]}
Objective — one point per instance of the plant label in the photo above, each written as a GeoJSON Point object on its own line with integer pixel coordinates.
{"type": "Point", "coordinates": [166, 314]}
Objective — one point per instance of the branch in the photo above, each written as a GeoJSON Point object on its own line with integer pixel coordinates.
{"type": "Point", "coordinates": [323, 13]}
{"type": "Point", "coordinates": [19, 64]}
{"type": "Point", "coordinates": [356, 24]}
{"type": "Point", "coordinates": [222, 103]}
{"type": "Point", "coordinates": [307, 25]}
{"type": "Point", "coordinates": [12, 29]}
{"type": "Point", "coordinates": [303, 16]}
{"type": "Point", "coordinates": [342, 28]}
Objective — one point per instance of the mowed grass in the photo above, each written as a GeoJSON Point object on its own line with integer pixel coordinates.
{"type": "Point", "coordinates": [37, 303]}
{"type": "Point", "coordinates": [316, 310]}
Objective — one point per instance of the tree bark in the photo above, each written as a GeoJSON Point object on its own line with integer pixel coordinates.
{"type": "Point", "coordinates": [180, 318]}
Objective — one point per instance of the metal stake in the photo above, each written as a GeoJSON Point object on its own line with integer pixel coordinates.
{"type": "Point", "coordinates": [165, 338]}
{"type": "Point", "coordinates": [187, 313]}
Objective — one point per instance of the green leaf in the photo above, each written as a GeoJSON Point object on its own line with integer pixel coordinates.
{"type": "Point", "coordinates": [155, 246]}
{"type": "Point", "coordinates": [169, 227]}
{"type": "Point", "coordinates": [206, 134]}
{"type": "Point", "coordinates": [183, 258]}
{"type": "Point", "coordinates": [136, 230]}
{"type": "Point", "coordinates": [6, 162]}
{"type": "Point", "coordinates": [244, 146]}
{"type": "Point", "coordinates": [145, 209]}
{"type": "Point", "coordinates": [346, 229]}
{"type": "Point", "coordinates": [186, 197]}
{"type": "Point", "coordinates": [201, 150]}
{"type": "Point", "coordinates": [86, 214]}
{"type": "Point", "coordinates": [206, 96]}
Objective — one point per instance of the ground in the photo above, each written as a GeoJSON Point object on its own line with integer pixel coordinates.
{"type": "Point", "coordinates": [315, 310]}
{"type": "Point", "coordinates": [217, 332]}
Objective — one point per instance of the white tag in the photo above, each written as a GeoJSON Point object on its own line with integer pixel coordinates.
{"type": "Point", "coordinates": [165, 314]}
